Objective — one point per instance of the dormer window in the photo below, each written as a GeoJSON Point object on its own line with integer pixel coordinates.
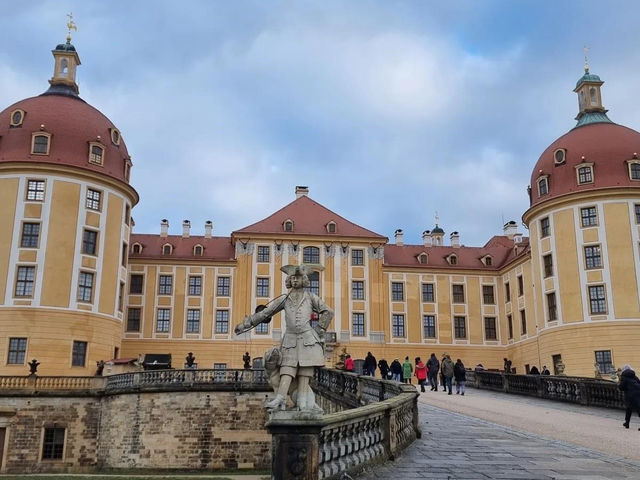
{"type": "Point", "coordinates": [136, 248]}
{"type": "Point", "coordinates": [543, 185]}
{"type": "Point", "coordinates": [331, 227]}
{"type": "Point", "coordinates": [452, 259]}
{"type": "Point", "coordinates": [17, 117]}
{"type": "Point", "coordinates": [96, 153]}
{"type": "Point", "coordinates": [197, 250]}
{"type": "Point", "coordinates": [487, 260]}
{"type": "Point", "coordinates": [167, 248]}
{"type": "Point", "coordinates": [127, 168]}
{"type": "Point", "coordinates": [40, 143]}
{"type": "Point", "coordinates": [288, 225]}
{"type": "Point", "coordinates": [559, 156]}
{"type": "Point", "coordinates": [115, 136]}
{"type": "Point", "coordinates": [584, 171]}
{"type": "Point", "coordinates": [634, 169]}
{"type": "Point", "coordinates": [423, 258]}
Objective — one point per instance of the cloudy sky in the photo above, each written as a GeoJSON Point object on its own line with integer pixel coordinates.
{"type": "Point", "coordinates": [388, 110]}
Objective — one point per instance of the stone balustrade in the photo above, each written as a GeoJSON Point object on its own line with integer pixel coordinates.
{"type": "Point", "coordinates": [581, 390]}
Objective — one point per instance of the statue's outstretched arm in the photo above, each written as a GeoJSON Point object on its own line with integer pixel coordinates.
{"type": "Point", "coordinates": [252, 321]}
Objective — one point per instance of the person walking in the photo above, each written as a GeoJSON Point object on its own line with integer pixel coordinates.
{"type": "Point", "coordinates": [421, 374]}
{"type": "Point", "coordinates": [442, 381]}
{"type": "Point", "coordinates": [370, 365]}
{"type": "Point", "coordinates": [348, 363]}
{"type": "Point", "coordinates": [384, 369]}
{"type": "Point", "coordinates": [460, 375]}
{"type": "Point", "coordinates": [630, 385]}
{"type": "Point", "coordinates": [433, 365]}
{"type": "Point", "coordinates": [407, 370]}
{"type": "Point", "coordinates": [396, 370]}
{"type": "Point", "coordinates": [447, 372]}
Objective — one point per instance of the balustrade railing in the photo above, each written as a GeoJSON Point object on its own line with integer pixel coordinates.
{"type": "Point", "coordinates": [585, 391]}
{"type": "Point", "coordinates": [38, 383]}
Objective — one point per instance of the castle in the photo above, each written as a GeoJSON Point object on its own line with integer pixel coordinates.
{"type": "Point", "coordinates": [77, 286]}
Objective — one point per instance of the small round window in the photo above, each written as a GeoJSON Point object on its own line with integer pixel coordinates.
{"type": "Point", "coordinates": [559, 156]}
{"type": "Point", "coordinates": [17, 118]}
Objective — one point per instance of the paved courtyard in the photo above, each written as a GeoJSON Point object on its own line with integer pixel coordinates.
{"type": "Point", "coordinates": [457, 445]}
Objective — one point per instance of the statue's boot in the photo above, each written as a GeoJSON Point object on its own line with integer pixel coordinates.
{"type": "Point", "coordinates": [278, 403]}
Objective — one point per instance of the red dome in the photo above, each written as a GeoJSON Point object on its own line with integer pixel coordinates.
{"type": "Point", "coordinates": [605, 145]}
{"type": "Point", "coordinates": [72, 123]}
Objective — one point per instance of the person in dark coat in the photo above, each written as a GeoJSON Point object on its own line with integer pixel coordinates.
{"type": "Point", "coordinates": [447, 370]}
{"type": "Point", "coordinates": [545, 371]}
{"type": "Point", "coordinates": [433, 365]}
{"type": "Point", "coordinates": [396, 370]}
{"type": "Point", "coordinates": [630, 385]}
{"type": "Point", "coordinates": [384, 369]}
{"type": "Point", "coordinates": [534, 371]}
{"type": "Point", "coordinates": [460, 374]}
{"type": "Point", "coordinates": [370, 365]}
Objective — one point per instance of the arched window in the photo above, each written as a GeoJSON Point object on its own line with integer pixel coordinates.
{"type": "Point", "coordinates": [331, 227]}
{"type": "Point", "coordinates": [543, 186]}
{"type": "Point", "coordinates": [311, 255]}
{"type": "Point", "coordinates": [197, 250]}
{"type": "Point", "coordinates": [96, 153]}
{"type": "Point", "coordinates": [40, 143]}
{"type": "Point", "coordinates": [288, 226]}
{"type": "Point", "coordinates": [593, 95]}
{"type": "Point", "coordinates": [136, 248]}
{"type": "Point", "coordinates": [488, 261]}
{"type": "Point", "coordinates": [423, 258]}
{"type": "Point", "coordinates": [64, 66]}
{"type": "Point", "coordinates": [167, 249]}
{"type": "Point", "coordinates": [453, 259]}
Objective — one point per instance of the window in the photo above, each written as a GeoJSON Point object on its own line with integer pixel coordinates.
{"type": "Point", "coordinates": [262, 328]}
{"type": "Point", "coordinates": [40, 144]}
{"type": "Point", "coordinates": [585, 175]}
{"type": "Point", "coordinates": [115, 136]}
{"type": "Point", "coordinates": [423, 258]}
{"type": "Point", "coordinates": [197, 250]}
{"type": "Point", "coordinates": [263, 253]}
{"type": "Point", "coordinates": [96, 154]}
{"type": "Point", "coordinates": [331, 227]}
{"type": "Point", "coordinates": [604, 361]}
{"type": "Point", "coordinates": [35, 190]}
{"type": "Point", "coordinates": [17, 351]}
{"type": "Point", "coordinates": [552, 307]}
{"type": "Point", "coordinates": [125, 256]}
{"type": "Point", "coordinates": [589, 216]}
{"type": "Point", "coordinates": [314, 283]}
{"type": "Point", "coordinates": [597, 299]}
{"type": "Point", "coordinates": [459, 327]}
{"type": "Point", "coordinates": [262, 287]}
{"type": "Point", "coordinates": [288, 226]}
{"type": "Point", "coordinates": [453, 260]}
{"type": "Point", "coordinates": [397, 325]}
{"type": "Point", "coordinates": [195, 285]}
{"type": "Point", "coordinates": [163, 320]}
{"type": "Point", "coordinates": [547, 260]}
{"type": "Point", "coordinates": [24, 281]}
{"type": "Point", "coordinates": [559, 156]}
{"type": "Point", "coordinates": [507, 291]}
{"type": "Point", "coordinates": [137, 248]}
{"type": "Point", "coordinates": [520, 286]}
{"type": "Point", "coordinates": [121, 297]}
{"type": "Point", "coordinates": [93, 199]}
{"type": "Point", "coordinates": [89, 242]}
{"type": "Point", "coordinates": [429, 326]}
{"type": "Point", "coordinates": [427, 292]}
{"type": "Point", "coordinates": [17, 117]}
{"type": "Point", "coordinates": [166, 249]}
{"type": "Point", "coordinates": [85, 286]}
{"type": "Point", "coordinates": [544, 227]}
{"type": "Point", "coordinates": [487, 295]}
{"type": "Point", "coordinates": [490, 332]}
{"type": "Point", "coordinates": [78, 353]}
{"type": "Point", "coordinates": [488, 261]}
{"type": "Point", "coordinates": [193, 321]}
{"type": "Point", "coordinates": [523, 322]}
{"type": "Point", "coordinates": [357, 257]}
{"type": "Point", "coordinates": [543, 186]}
{"type": "Point", "coordinates": [53, 444]}
{"type": "Point", "coordinates": [357, 290]}
{"type": "Point", "coordinates": [358, 324]}
{"type": "Point", "coordinates": [165, 285]}
{"type": "Point", "coordinates": [30, 235]}
{"type": "Point", "coordinates": [311, 255]}
{"type": "Point", "coordinates": [133, 320]}
{"type": "Point", "coordinates": [222, 321]}
{"type": "Point", "coordinates": [592, 256]}
{"type": "Point", "coordinates": [219, 366]}
{"type": "Point", "coordinates": [458, 293]}
{"type": "Point", "coordinates": [510, 326]}
{"type": "Point", "coordinates": [637, 210]}
{"type": "Point", "coordinates": [634, 171]}
{"type": "Point", "coordinates": [224, 284]}
{"type": "Point", "coordinates": [135, 283]}
{"type": "Point", "coordinates": [397, 291]}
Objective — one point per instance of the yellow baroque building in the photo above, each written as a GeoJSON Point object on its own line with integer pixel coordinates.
{"type": "Point", "coordinates": [77, 286]}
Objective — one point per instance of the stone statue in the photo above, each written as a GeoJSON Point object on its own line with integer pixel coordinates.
{"type": "Point", "coordinates": [99, 368]}
{"type": "Point", "coordinates": [560, 368]}
{"type": "Point", "coordinates": [246, 358]}
{"type": "Point", "coordinates": [507, 365]}
{"type": "Point", "coordinates": [33, 366]}
{"type": "Point", "coordinates": [598, 372]}
{"type": "Point", "coordinates": [190, 359]}
{"type": "Point", "coordinates": [302, 346]}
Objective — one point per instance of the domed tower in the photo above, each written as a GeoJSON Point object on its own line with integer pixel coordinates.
{"type": "Point", "coordinates": [65, 204]}
{"type": "Point", "coordinates": [584, 221]}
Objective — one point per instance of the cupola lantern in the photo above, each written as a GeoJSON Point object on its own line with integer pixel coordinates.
{"type": "Point", "coordinates": [66, 60]}
{"type": "Point", "coordinates": [589, 98]}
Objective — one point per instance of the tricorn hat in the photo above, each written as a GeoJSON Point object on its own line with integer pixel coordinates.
{"type": "Point", "coordinates": [303, 269]}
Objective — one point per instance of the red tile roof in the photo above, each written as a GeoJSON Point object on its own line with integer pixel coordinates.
{"type": "Point", "coordinates": [214, 248]}
{"type": "Point", "coordinates": [309, 218]}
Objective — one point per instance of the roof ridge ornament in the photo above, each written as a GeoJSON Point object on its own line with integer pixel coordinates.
{"type": "Point", "coordinates": [70, 26]}
{"type": "Point", "coordinates": [586, 60]}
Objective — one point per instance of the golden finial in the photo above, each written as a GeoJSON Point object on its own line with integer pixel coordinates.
{"type": "Point", "coordinates": [71, 26]}
{"type": "Point", "coordinates": [586, 60]}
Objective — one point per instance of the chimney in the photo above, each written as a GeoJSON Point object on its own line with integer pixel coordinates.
{"type": "Point", "coordinates": [455, 239]}
{"type": "Point", "coordinates": [302, 191]}
{"type": "Point", "coordinates": [399, 237]}
{"type": "Point", "coordinates": [517, 237]}
{"type": "Point", "coordinates": [164, 227]}
{"type": "Point", "coordinates": [427, 241]}
{"type": "Point", "coordinates": [186, 228]}
{"type": "Point", "coordinates": [510, 229]}
{"type": "Point", "coordinates": [208, 229]}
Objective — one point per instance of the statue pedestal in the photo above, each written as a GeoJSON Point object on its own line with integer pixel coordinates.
{"type": "Point", "coordinates": [294, 444]}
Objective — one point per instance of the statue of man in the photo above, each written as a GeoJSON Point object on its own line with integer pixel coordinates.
{"type": "Point", "coordinates": [246, 358]}
{"type": "Point", "coordinates": [302, 346]}
{"type": "Point", "coordinates": [33, 366]}
{"type": "Point", "coordinates": [190, 359]}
